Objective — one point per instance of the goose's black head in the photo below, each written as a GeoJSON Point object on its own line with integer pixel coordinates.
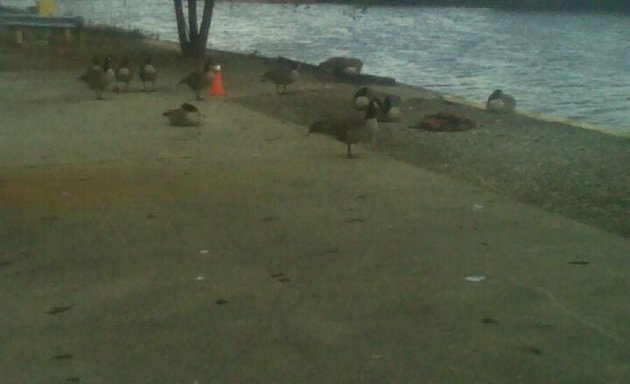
{"type": "Point", "coordinates": [207, 64]}
{"type": "Point", "coordinates": [108, 63]}
{"type": "Point", "coordinates": [390, 102]}
{"type": "Point", "coordinates": [189, 107]}
{"type": "Point", "coordinates": [496, 95]}
{"type": "Point", "coordinates": [372, 109]}
{"type": "Point", "coordinates": [361, 92]}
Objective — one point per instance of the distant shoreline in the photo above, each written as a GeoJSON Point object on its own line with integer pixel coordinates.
{"type": "Point", "coordinates": [610, 6]}
{"type": "Point", "coordinates": [593, 6]}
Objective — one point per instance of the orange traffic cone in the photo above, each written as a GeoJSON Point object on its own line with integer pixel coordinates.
{"type": "Point", "coordinates": [217, 83]}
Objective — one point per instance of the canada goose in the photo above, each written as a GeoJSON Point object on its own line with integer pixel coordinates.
{"type": "Point", "coordinates": [199, 80]}
{"type": "Point", "coordinates": [282, 76]}
{"type": "Point", "coordinates": [500, 102]}
{"type": "Point", "coordinates": [187, 115]}
{"type": "Point", "coordinates": [123, 74]}
{"type": "Point", "coordinates": [148, 73]}
{"type": "Point", "coordinates": [342, 66]}
{"type": "Point", "coordinates": [362, 98]}
{"type": "Point", "coordinates": [391, 108]}
{"type": "Point", "coordinates": [96, 66]}
{"type": "Point", "coordinates": [100, 78]}
{"type": "Point", "coordinates": [351, 130]}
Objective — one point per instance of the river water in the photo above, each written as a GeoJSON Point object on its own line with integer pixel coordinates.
{"type": "Point", "coordinates": [571, 65]}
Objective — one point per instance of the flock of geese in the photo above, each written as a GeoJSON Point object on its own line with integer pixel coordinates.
{"type": "Point", "coordinates": [353, 130]}
{"type": "Point", "coordinates": [100, 77]}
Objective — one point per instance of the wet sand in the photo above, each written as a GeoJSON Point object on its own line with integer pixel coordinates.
{"type": "Point", "coordinates": [248, 251]}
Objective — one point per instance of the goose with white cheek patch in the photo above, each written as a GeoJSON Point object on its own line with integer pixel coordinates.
{"type": "Point", "coordinates": [362, 98]}
{"type": "Point", "coordinates": [96, 66]}
{"type": "Point", "coordinates": [500, 102]}
{"type": "Point", "coordinates": [199, 81]}
{"type": "Point", "coordinates": [100, 78]}
{"type": "Point", "coordinates": [391, 108]}
{"type": "Point", "coordinates": [351, 130]}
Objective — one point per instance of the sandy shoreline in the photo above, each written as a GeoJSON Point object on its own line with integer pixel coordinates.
{"type": "Point", "coordinates": [248, 251]}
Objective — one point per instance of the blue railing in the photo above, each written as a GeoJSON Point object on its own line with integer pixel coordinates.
{"type": "Point", "coordinates": [35, 21]}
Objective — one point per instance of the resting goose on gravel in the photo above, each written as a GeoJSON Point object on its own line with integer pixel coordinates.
{"type": "Point", "coordinates": [342, 66]}
{"type": "Point", "coordinates": [351, 130]}
{"type": "Point", "coordinates": [362, 98]}
{"type": "Point", "coordinates": [123, 74]}
{"type": "Point", "coordinates": [199, 80]}
{"type": "Point", "coordinates": [148, 73]}
{"type": "Point", "coordinates": [391, 108]}
{"type": "Point", "coordinates": [282, 76]}
{"type": "Point", "coordinates": [500, 102]}
{"type": "Point", "coordinates": [100, 78]}
{"type": "Point", "coordinates": [187, 115]}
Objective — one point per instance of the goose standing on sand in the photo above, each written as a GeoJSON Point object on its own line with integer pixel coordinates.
{"type": "Point", "coordinates": [187, 115]}
{"type": "Point", "coordinates": [199, 80]}
{"type": "Point", "coordinates": [100, 78]}
{"type": "Point", "coordinates": [353, 130]}
{"type": "Point", "coordinates": [500, 102]}
{"type": "Point", "coordinates": [282, 76]}
{"type": "Point", "coordinates": [148, 73]}
{"type": "Point", "coordinates": [96, 66]}
{"type": "Point", "coordinates": [123, 74]}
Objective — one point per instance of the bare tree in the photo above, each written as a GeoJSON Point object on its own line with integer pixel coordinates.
{"type": "Point", "coordinates": [192, 39]}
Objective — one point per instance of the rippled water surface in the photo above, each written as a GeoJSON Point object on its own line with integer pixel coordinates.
{"type": "Point", "coordinates": [564, 64]}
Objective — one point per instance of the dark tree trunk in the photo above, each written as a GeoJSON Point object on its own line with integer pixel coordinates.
{"type": "Point", "coordinates": [202, 36]}
{"type": "Point", "coordinates": [192, 39]}
{"type": "Point", "coordinates": [192, 20]}
{"type": "Point", "coordinates": [181, 26]}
